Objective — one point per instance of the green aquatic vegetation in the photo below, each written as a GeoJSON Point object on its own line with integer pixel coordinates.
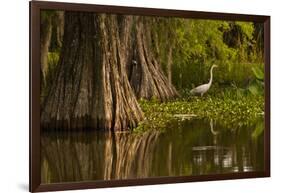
{"type": "Point", "coordinates": [256, 87]}
{"type": "Point", "coordinates": [231, 113]}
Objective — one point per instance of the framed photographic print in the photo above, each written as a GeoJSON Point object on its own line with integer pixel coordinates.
{"type": "Point", "coordinates": [123, 96]}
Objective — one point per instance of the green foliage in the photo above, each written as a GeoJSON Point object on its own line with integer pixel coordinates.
{"type": "Point", "coordinates": [258, 72]}
{"type": "Point", "coordinates": [246, 28]}
{"type": "Point", "coordinates": [53, 58]}
{"type": "Point", "coordinates": [198, 44]}
{"type": "Point", "coordinates": [256, 87]}
{"type": "Point", "coordinates": [229, 111]}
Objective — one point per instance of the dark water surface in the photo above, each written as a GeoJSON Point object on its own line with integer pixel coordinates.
{"type": "Point", "coordinates": [186, 148]}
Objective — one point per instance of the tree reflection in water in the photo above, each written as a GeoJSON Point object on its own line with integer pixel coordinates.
{"type": "Point", "coordinates": [186, 148]}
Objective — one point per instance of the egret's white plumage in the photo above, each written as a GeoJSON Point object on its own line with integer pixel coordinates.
{"type": "Point", "coordinates": [202, 89]}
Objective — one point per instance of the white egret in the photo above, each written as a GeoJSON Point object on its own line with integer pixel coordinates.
{"type": "Point", "coordinates": [202, 89]}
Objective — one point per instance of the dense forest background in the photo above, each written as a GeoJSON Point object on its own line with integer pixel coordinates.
{"type": "Point", "coordinates": [95, 68]}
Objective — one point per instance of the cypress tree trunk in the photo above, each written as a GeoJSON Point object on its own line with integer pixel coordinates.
{"type": "Point", "coordinates": [46, 34]}
{"type": "Point", "coordinates": [52, 23]}
{"type": "Point", "coordinates": [59, 27]}
{"type": "Point", "coordinates": [91, 88]}
{"type": "Point", "coordinates": [146, 76]}
{"type": "Point", "coordinates": [106, 63]}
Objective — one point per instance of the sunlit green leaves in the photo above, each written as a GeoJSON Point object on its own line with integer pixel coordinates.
{"type": "Point", "coordinates": [259, 73]}
{"type": "Point", "coordinates": [228, 111]}
{"type": "Point", "coordinates": [202, 43]}
{"type": "Point", "coordinates": [247, 28]}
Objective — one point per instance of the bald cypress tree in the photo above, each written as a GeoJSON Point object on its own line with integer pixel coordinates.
{"type": "Point", "coordinates": [92, 87]}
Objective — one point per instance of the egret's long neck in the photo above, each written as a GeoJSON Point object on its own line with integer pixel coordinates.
{"type": "Point", "coordinates": [211, 76]}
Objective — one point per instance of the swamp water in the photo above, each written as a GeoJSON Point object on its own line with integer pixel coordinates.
{"type": "Point", "coordinates": [187, 147]}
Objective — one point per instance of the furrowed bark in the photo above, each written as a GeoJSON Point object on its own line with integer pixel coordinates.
{"type": "Point", "coordinates": [146, 76]}
{"type": "Point", "coordinates": [96, 83]}
{"type": "Point", "coordinates": [92, 89]}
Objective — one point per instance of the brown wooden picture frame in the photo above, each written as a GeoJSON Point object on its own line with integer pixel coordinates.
{"type": "Point", "coordinates": [34, 100]}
